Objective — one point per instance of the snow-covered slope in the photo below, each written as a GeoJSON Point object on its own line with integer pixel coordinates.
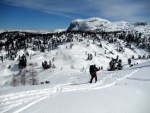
{"type": "Point", "coordinates": [119, 91]}
{"type": "Point", "coordinates": [98, 24]}
{"type": "Point", "coordinates": [124, 91]}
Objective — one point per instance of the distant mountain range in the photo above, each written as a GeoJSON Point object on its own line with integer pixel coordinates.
{"type": "Point", "coordinates": [35, 31]}
{"type": "Point", "coordinates": [98, 24]}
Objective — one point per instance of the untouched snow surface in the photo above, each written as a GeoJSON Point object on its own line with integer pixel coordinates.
{"type": "Point", "coordinates": [124, 91]}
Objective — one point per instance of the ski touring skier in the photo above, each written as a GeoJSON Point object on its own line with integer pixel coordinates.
{"type": "Point", "coordinates": [93, 69]}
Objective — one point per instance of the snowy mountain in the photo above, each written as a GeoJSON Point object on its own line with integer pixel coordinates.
{"type": "Point", "coordinates": [88, 24]}
{"type": "Point", "coordinates": [98, 24]}
{"type": "Point", "coordinates": [49, 73]}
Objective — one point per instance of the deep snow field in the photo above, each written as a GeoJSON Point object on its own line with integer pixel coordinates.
{"type": "Point", "coordinates": [123, 91]}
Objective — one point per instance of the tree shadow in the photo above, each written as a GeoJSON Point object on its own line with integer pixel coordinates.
{"type": "Point", "coordinates": [138, 66]}
{"type": "Point", "coordinates": [14, 67]}
{"type": "Point", "coordinates": [138, 79]}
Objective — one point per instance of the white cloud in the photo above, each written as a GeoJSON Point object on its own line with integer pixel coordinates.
{"type": "Point", "coordinates": [122, 10]}
{"type": "Point", "coordinates": [115, 9]}
{"type": "Point", "coordinates": [49, 6]}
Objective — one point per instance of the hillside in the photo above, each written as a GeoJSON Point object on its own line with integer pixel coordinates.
{"type": "Point", "coordinates": [126, 90]}
{"type": "Point", "coordinates": [49, 73]}
{"type": "Point", "coordinates": [73, 54]}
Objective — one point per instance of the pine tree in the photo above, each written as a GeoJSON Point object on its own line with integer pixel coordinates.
{"type": "Point", "coordinates": [133, 57]}
{"type": "Point", "coordinates": [129, 61]}
{"type": "Point", "coordinates": [144, 56]}
{"type": "Point", "coordinates": [139, 56]}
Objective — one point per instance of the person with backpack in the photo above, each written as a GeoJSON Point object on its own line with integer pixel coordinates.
{"type": "Point", "coordinates": [93, 69]}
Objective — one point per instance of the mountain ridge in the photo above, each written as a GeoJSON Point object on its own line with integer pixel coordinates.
{"type": "Point", "coordinates": [98, 24]}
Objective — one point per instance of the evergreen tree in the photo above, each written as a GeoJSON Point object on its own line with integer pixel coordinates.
{"type": "Point", "coordinates": [129, 61]}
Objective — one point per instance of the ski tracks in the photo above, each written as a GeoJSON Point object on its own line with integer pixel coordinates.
{"type": "Point", "coordinates": [7, 102]}
{"type": "Point", "coordinates": [115, 81]}
{"type": "Point", "coordinates": [13, 100]}
{"type": "Point", "coordinates": [28, 98]}
{"type": "Point", "coordinates": [108, 81]}
{"type": "Point", "coordinates": [34, 102]}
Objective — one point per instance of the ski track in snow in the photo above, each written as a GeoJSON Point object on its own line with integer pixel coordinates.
{"type": "Point", "coordinates": [34, 102]}
{"type": "Point", "coordinates": [12, 100]}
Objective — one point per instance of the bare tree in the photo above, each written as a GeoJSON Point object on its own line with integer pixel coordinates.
{"type": "Point", "coordinates": [86, 53]}
{"type": "Point", "coordinates": [72, 66]}
{"type": "Point", "coordinates": [53, 59]}
{"type": "Point", "coordinates": [23, 79]}
{"type": "Point", "coordinates": [33, 74]}
{"type": "Point", "coordinates": [82, 68]}
{"type": "Point", "coordinates": [53, 66]}
{"type": "Point", "coordinates": [50, 64]}
{"type": "Point", "coordinates": [14, 81]}
{"type": "Point", "coordinates": [71, 46]}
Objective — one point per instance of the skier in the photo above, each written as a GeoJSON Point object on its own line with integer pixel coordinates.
{"type": "Point", "coordinates": [92, 71]}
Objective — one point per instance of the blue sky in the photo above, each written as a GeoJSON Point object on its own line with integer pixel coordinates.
{"type": "Point", "coordinates": [57, 14]}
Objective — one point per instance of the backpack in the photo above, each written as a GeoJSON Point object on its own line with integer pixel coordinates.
{"type": "Point", "coordinates": [92, 69]}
